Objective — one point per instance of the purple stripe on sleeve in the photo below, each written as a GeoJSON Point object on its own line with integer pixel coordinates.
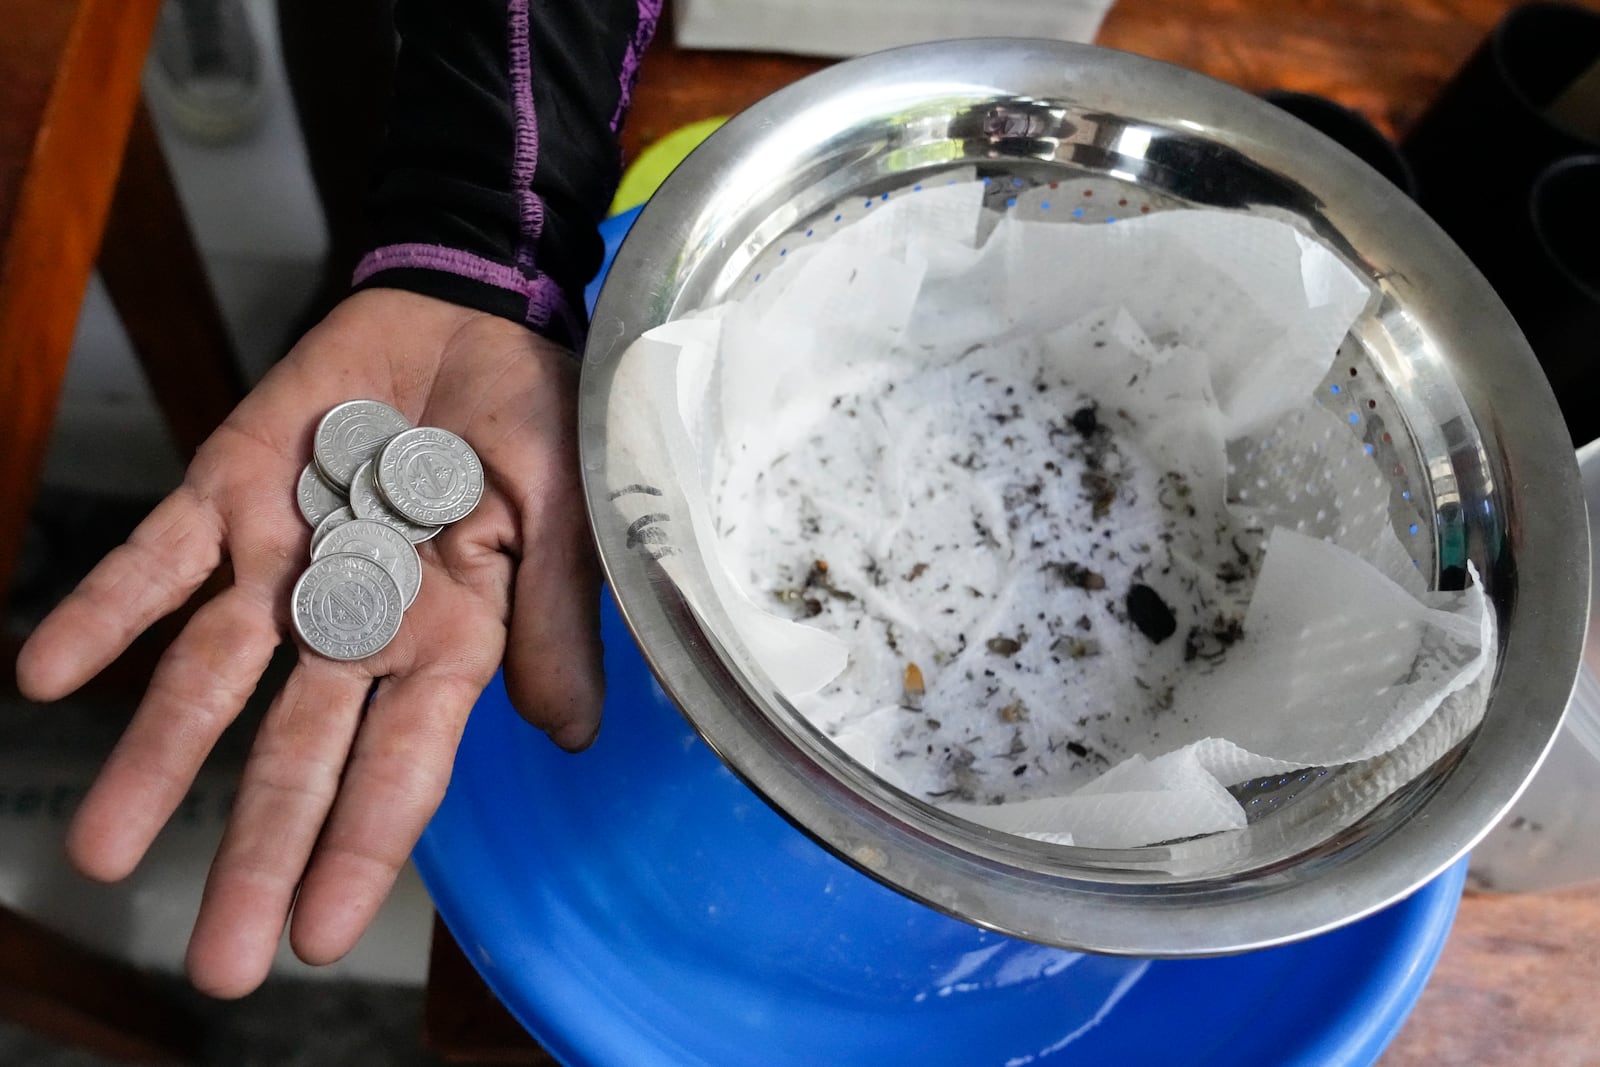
{"type": "Point", "coordinates": [547, 305]}
{"type": "Point", "coordinates": [525, 155]}
{"type": "Point", "coordinates": [644, 31]}
{"type": "Point", "coordinates": [438, 257]}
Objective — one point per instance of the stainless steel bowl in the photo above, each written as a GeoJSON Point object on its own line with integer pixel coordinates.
{"type": "Point", "coordinates": [1490, 468]}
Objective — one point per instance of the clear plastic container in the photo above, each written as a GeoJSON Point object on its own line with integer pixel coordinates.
{"type": "Point", "coordinates": [1551, 836]}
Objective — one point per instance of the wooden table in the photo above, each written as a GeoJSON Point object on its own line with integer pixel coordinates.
{"type": "Point", "coordinates": [1385, 58]}
{"type": "Point", "coordinates": [1520, 977]}
{"type": "Point", "coordinates": [1516, 986]}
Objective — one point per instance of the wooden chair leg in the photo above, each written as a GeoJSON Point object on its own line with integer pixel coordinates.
{"type": "Point", "coordinates": [92, 53]}
{"type": "Point", "coordinates": [53, 988]}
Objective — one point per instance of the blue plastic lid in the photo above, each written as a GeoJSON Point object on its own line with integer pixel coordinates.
{"type": "Point", "coordinates": [636, 905]}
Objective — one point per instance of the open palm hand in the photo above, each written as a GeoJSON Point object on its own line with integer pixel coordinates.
{"type": "Point", "coordinates": [338, 787]}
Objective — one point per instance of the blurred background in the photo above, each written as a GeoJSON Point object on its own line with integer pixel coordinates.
{"type": "Point", "coordinates": [108, 444]}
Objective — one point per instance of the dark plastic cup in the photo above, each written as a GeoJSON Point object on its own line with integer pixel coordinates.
{"type": "Point", "coordinates": [1479, 147]}
{"type": "Point", "coordinates": [1553, 288]}
{"type": "Point", "coordinates": [1520, 192]}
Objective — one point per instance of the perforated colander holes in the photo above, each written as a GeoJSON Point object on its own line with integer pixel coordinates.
{"type": "Point", "coordinates": [1259, 795]}
{"type": "Point", "coordinates": [827, 223]}
{"type": "Point", "coordinates": [1083, 200]}
{"type": "Point", "coordinates": [1377, 442]}
{"type": "Point", "coordinates": [1361, 401]}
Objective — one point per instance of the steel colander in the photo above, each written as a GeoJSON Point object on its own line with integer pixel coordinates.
{"type": "Point", "coordinates": [1443, 392]}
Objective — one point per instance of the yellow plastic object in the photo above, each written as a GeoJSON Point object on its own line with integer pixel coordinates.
{"type": "Point", "coordinates": [645, 175]}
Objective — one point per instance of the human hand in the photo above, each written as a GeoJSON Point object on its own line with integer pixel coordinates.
{"type": "Point", "coordinates": [336, 791]}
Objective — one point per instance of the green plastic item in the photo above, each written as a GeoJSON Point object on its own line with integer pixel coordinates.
{"type": "Point", "coordinates": [645, 175]}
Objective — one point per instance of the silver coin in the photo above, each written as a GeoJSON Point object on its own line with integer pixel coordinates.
{"type": "Point", "coordinates": [316, 497]}
{"type": "Point", "coordinates": [430, 475]}
{"type": "Point", "coordinates": [347, 607]}
{"type": "Point", "coordinates": [351, 434]}
{"type": "Point", "coordinates": [384, 545]}
{"type": "Point", "coordinates": [335, 518]}
{"type": "Point", "coordinates": [368, 503]}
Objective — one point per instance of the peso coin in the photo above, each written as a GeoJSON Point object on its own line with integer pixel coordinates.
{"type": "Point", "coordinates": [316, 497]}
{"type": "Point", "coordinates": [430, 475]}
{"type": "Point", "coordinates": [368, 503]}
{"type": "Point", "coordinates": [382, 544]}
{"type": "Point", "coordinates": [346, 606]}
{"type": "Point", "coordinates": [335, 518]}
{"type": "Point", "coordinates": [352, 433]}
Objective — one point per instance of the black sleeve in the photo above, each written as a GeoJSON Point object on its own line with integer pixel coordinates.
{"type": "Point", "coordinates": [501, 154]}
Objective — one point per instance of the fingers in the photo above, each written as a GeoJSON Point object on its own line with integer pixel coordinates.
{"type": "Point", "coordinates": [165, 559]}
{"type": "Point", "coordinates": [284, 797]}
{"type": "Point", "coordinates": [386, 791]}
{"type": "Point", "coordinates": [554, 670]}
{"type": "Point", "coordinates": [394, 783]}
{"type": "Point", "coordinates": [199, 686]}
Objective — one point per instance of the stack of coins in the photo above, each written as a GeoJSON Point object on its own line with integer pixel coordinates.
{"type": "Point", "coordinates": [375, 488]}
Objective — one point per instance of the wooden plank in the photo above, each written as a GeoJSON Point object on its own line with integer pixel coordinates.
{"type": "Point", "coordinates": [30, 53]}
{"type": "Point", "coordinates": [60, 152]}
{"type": "Point", "coordinates": [1385, 58]}
{"type": "Point", "coordinates": [1515, 986]}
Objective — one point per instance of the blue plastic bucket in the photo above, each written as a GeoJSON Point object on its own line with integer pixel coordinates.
{"type": "Point", "coordinates": [636, 905]}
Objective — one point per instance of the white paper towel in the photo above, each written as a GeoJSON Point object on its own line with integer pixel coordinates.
{"type": "Point", "coordinates": [1041, 523]}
